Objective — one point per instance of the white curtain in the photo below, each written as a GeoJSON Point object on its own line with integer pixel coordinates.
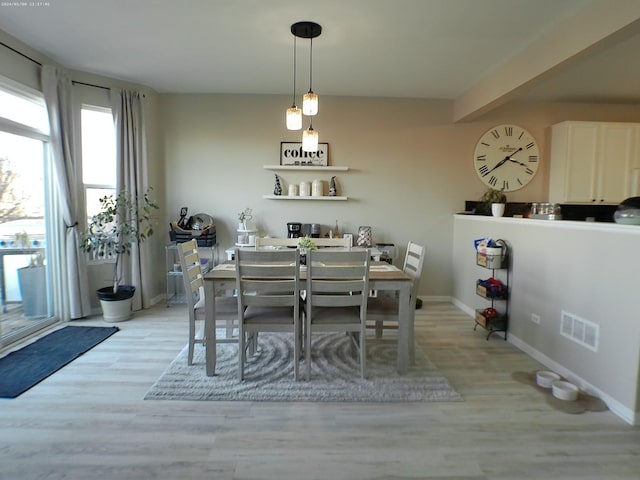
{"type": "Point", "coordinates": [58, 94]}
{"type": "Point", "coordinates": [131, 168]}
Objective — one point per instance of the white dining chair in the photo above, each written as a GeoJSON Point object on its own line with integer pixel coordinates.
{"type": "Point", "coordinates": [226, 306]}
{"type": "Point", "coordinates": [383, 309]}
{"type": "Point", "coordinates": [268, 286]}
{"type": "Point", "coordinates": [336, 298]}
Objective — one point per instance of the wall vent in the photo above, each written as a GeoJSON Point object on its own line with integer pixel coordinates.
{"type": "Point", "coordinates": [579, 330]}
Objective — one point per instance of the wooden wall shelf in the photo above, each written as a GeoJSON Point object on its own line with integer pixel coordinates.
{"type": "Point", "coordinates": [309, 168]}
{"type": "Point", "coordinates": [324, 198]}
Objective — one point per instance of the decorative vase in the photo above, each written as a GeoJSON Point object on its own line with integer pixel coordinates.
{"type": "Point", "coordinates": [317, 188]}
{"type": "Point", "coordinates": [364, 237]}
{"type": "Point", "coordinates": [277, 189]}
{"type": "Point", "coordinates": [303, 255]}
{"type": "Point", "coordinates": [333, 191]}
{"type": "Point", "coordinates": [497, 209]}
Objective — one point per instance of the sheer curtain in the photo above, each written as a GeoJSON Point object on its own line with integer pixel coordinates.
{"type": "Point", "coordinates": [131, 168]}
{"type": "Point", "coordinates": [58, 94]}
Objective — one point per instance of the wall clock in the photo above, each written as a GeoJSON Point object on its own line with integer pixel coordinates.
{"type": "Point", "coordinates": [506, 157]}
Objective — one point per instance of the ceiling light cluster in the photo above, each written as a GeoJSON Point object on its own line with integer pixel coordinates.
{"type": "Point", "coordinates": [294, 115]}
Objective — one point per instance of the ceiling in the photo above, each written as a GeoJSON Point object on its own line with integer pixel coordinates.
{"type": "Point", "coordinates": [436, 49]}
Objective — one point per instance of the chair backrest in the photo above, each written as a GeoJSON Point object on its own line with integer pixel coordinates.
{"type": "Point", "coordinates": [338, 278]}
{"type": "Point", "coordinates": [413, 263]}
{"type": "Point", "coordinates": [293, 242]}
{"type": "Point", "coordinates": [191, 271]}
{"type": "Point", "coordinates": [267, 278]}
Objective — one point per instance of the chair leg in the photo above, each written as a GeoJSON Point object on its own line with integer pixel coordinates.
{"type": "Point", "coordinates": [229, 328]}
{"type": "Point", "coordinates": [378, 328]}
{"type": "Point", "coordinates": [192, 340]}
{"type": "Point", "coordinates": [241, 347]}
{"type": "Point", "coordinates": [307, 350]}
{"type": "Point", "coordinates": [363, 353]}
{"type": "Point", "coordinates": [296, 351]}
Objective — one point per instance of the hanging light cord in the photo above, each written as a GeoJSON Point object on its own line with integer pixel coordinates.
{"type": "Point", "coordinates": [294, 71]}
{"type": "Point", "coordinates": [311, 66]}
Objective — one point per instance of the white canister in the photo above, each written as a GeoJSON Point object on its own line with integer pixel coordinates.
{"type": "Point", "coordinates": [317, 188]}
{"type": "Point", "coordinates": [293, 190]}
{"type": "Point", "coordinates": [305, 189]}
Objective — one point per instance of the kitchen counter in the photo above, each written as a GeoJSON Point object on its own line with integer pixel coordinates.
{"type": "Point", "coordinates": [569, 224]}
{"type": "Point", "coordinates": [566, 270]}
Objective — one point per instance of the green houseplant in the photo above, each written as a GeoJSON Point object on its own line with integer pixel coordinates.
{"type": "Point", "coordinates": [493, 197]}
{"type": "Point", "coordinates": [306, 245]}
{"type": "Point", "coordinates": [123, 221]}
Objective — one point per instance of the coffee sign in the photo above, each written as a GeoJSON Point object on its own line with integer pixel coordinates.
{"type": "Point", "coordinates": [291, 153]}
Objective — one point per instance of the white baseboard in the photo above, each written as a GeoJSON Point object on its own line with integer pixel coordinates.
{"type": "Point", "coordinates": [435, 298]}
{"type": "Point", "coordinates": [626, 414]}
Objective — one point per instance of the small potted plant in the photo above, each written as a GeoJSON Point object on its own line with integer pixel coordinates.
{"type": "Point", "coordinates": [243, 218]}
{"type": "Point", "coordinates": [306, 245]}
{"type": "Point", "coordinates": [494, 201]}
{"type": "Point", "coordinates": [122, 222]}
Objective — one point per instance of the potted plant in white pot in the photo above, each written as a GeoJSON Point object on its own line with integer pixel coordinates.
{"type": "Point", "coordinates": [123, 221]}
{"type": "Point", "coordinates": [494, 201]}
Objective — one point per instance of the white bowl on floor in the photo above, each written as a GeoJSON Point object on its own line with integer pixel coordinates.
{"type": "Point", "coordinates": [545, 379]}
{"type": "Point", "coordinates": [564, 390]}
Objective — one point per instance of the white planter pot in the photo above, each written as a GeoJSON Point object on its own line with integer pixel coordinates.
{"type": "Point", "coordinates": [33, 289]}
{"type": "Point", "coordinates": [116, 307]}
{"type": "Point", "coordinates": [497, 209]}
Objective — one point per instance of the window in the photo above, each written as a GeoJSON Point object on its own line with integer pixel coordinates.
{"type": "Point", "coordinates": [98, 156]}
{"type": "Point", "coordinates": [23, 107]}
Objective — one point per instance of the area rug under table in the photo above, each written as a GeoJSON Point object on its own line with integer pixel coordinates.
{"type": "Point", "coordinates": [335, 375]}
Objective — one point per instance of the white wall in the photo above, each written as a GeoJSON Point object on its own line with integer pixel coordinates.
{"type": "Point", "coordinates": [410, 166]}
{"type": "Point", "coordinates": [588, 270]}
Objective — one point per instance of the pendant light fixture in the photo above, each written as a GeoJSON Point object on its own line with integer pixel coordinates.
{"type": "Point", "coordinates": [294, 113]}
{"type": "Point", "coordinates": [308, 30]}
{"type": "Point", "coordinates": [310, 139]}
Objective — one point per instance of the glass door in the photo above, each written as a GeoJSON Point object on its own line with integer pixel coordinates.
{"type": "Point", "coordinates": [25, 294]}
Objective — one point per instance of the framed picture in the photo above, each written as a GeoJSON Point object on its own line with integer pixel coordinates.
{"type": "Point", "coordinates": [291, 153]}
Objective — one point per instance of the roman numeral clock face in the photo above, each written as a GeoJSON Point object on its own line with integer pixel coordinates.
{"type": "Point", "coordinates": [506, 158]}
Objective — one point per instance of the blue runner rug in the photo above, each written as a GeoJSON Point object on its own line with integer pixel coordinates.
{"type": "Point", "coordinates": [24, 368]}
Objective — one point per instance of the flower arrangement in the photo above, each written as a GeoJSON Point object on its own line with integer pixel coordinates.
{"type": "Point", "coordinates": [245, 215]}
{"type": "Point", "coordinates": [307, 243]}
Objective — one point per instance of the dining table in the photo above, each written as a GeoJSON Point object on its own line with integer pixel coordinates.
{"type": "Point", "coordinates": [382, 277]}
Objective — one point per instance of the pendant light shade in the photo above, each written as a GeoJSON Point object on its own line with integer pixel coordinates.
{"type": "Point", "coordinates": [294, 118]}
{"type": "Point", "coordinates": [310, 140]}
{"type": "Point", "coordinates": [310, 103]}
{"type": "Point", "coordinates": [308, 30]}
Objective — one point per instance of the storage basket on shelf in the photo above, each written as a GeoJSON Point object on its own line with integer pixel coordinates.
{"type": "Point", "coordinates": [205, 237]}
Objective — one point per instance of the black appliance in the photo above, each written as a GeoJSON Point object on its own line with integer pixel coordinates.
{"type": "Point", "coordinates": [294, 229]}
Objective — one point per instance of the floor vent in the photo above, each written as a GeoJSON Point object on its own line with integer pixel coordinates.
{"type": "Point", "coordinates": [580, 330]}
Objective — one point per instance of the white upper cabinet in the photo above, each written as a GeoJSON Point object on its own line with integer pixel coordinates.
{"type": "Point", "coordinates": [591, 162]}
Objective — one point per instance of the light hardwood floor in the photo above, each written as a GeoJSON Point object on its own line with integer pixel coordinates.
{"type": "Point", "coordinates": [88, 421]}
